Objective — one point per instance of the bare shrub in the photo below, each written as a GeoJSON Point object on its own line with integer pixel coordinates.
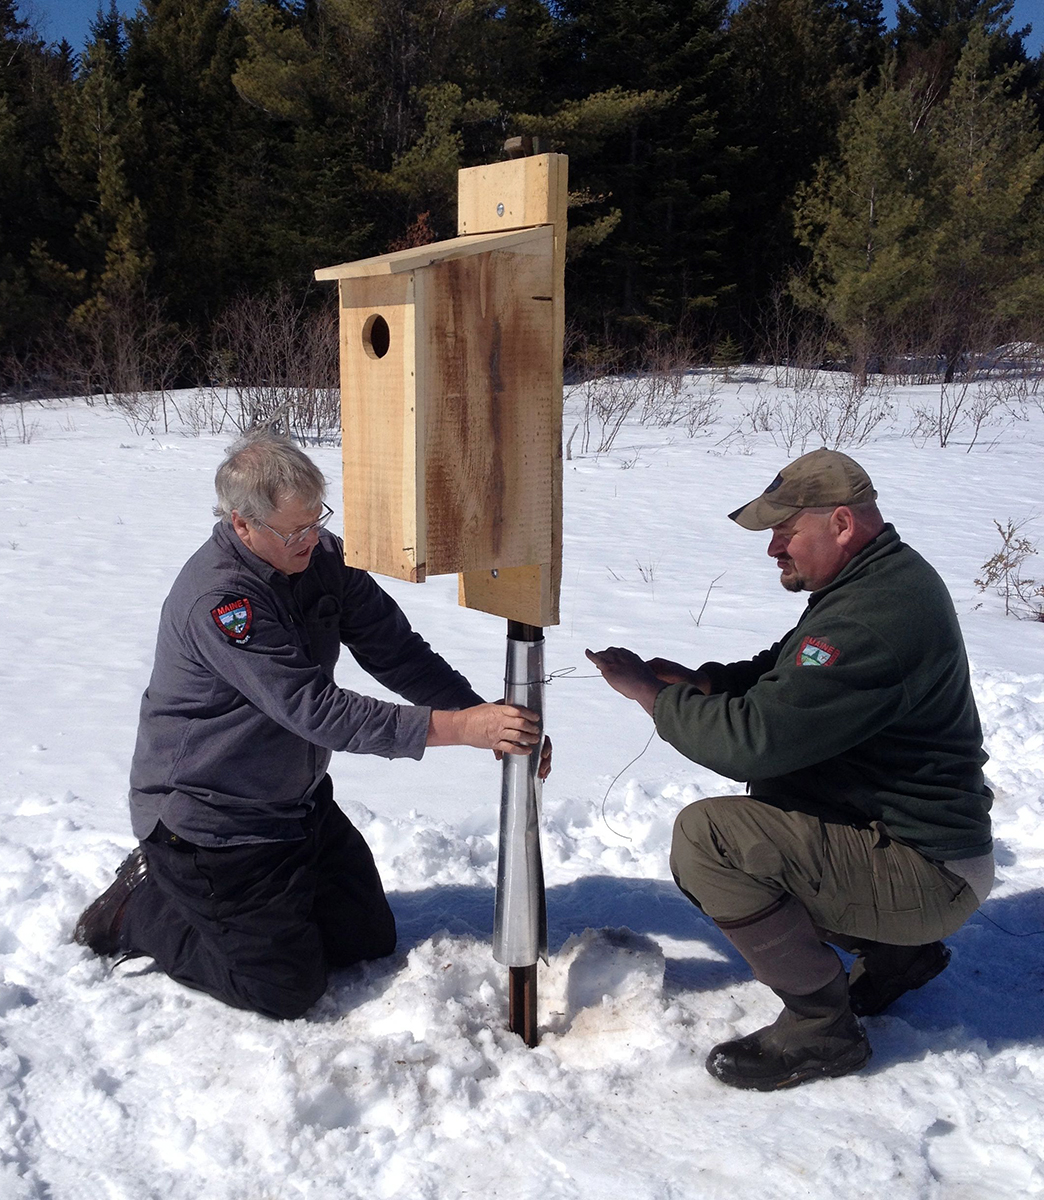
{"type": "Point", "coordinates": [204, 410]}
{"type": "Point", "coordinates": [1003, 572]}
{"type": "Point", "coordinates": [795, 342]}
{"type": "Point", "coordinates": [791, 420]}
{"type": "Point", "coordinates": [668, 391]}
{"type": "Point", "coordinates": [829, 408]}
{"type": "Point", "coordinates": [782, 413]}
{"type": "Point", "coordinates": [665, 365]}
{"type": "Point", "coordinates": [608, 401]}
{"type": "Point", "coordinates": [123, 348]}
{"type": "Point", "coordinates": [964, 407]}
{"type": "Point", "coordinates": [702, 408]}
{"type": "Point", "coordinates": [844, 409]}
{"type": "Point", "coordinates": [276, 364]}
{"type": "Point", "coordinates": [21, 427]}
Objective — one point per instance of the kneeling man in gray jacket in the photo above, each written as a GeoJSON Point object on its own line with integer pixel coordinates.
{"type": "Point", "coordinates": [249, 883]}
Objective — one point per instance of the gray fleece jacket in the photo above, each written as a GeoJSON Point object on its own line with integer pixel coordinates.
{"type": "Point", "coordinates": [241, 714]}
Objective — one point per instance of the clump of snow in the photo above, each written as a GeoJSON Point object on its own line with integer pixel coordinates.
{"type": "Point", "coordinates": [403, 1081]}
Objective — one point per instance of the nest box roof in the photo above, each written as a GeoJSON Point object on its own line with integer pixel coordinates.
{"type": "Point", "coordinates": [419, 257]}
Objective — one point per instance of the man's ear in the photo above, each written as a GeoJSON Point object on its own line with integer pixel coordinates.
{"type": "Point", "coordinates": [242, 528]}
{"type": "Point", "coordinates": [843, 525]}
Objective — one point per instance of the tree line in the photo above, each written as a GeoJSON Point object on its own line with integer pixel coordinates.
{"type": "Point", "coordinates": [781, 177]}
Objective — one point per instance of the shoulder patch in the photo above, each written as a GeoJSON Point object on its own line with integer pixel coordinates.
{"type": "Point", "coordinates": [816, 653]}
{"type": "Point", "coordinates": [234, 616]}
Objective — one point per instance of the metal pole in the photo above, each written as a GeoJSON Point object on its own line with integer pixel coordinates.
{"type": "Point", "coordinates": [522, 1009]}
{"type": "Point", "coordinates": [520, 913]}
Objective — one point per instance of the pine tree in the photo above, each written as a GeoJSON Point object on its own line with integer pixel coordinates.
{"type": "Point", "coordinates": [926, 23]}
{"type": "Point", "coordinates": [32, 78]}
{"type": "Point", "coordinates": [930, 36]}
{"type": "Point", "coordinates": [796, 66]}
{"type": "Point", "coordinates": [652, 74]}
{"type": "Point", "coordinates": [867, 221]}
{"type": "Point", "coordinates": [930, 228]}
{"type": "Point", "coordinates": [991, 173]}
{"type": "Point", "coordinates": [202, 174]}
{"type": "Point", "coordinates": [372, 101]}
{"type": "Point", "coordinates": [101, 129]}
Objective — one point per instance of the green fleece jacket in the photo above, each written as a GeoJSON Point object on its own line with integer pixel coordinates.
{"type": "Point", "coordinates": [863, 712]}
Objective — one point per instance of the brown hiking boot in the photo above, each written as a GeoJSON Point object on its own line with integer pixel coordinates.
{"type": "Point", "coordinates": [99, 925]}
{"type": "Point", "coordinates": [814, 1037]}
{"type": "Point", "coordinates": [882, 973]}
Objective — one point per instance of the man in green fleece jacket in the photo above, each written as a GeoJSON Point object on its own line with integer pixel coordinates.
{"type": "Point", "coordinates": [866, 823]}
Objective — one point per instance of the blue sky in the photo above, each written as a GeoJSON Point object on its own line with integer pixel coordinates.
{"type": "Point", "coordinates": [70, 18]}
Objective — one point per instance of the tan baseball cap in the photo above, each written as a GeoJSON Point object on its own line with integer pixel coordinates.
{"type": "Point", "coordinates": [822, 479]}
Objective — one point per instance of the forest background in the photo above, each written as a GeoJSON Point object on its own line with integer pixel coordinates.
{"type": "Point", "coordinates": [783, 180]}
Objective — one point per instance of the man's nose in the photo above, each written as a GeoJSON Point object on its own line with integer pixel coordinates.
{"type": "Point", "coordinates": [776, 546]}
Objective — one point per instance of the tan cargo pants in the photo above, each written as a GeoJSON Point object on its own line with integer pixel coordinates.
{"type": "Point", "coordinates": [734, 855]}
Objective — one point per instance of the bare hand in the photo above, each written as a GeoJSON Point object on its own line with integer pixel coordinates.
{"type": "Point", "coordinates": [672, 672]}
{"type": "Point", "coordinates": [544, 767]}
{"type": "Point", "coordinates": [545, 759]}
{"type": "Point", "coordinates": [503, 728]}
{"type": "Point", "coordinates": [628, 674]}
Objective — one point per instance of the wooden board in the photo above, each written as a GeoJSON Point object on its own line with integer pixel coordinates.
{"type": "Point", "coordinates": [517, 593]}
{"type": "Point", "coordinates": [531, 191]}
{"type": "Point", "coordinates": [499, 197]}
{"type": "Point", "coordinates": [413, 259]}
{"type": "Point", "coordinates": [382, 431]}
{"type": "Point", "coordinates": [489, 421]}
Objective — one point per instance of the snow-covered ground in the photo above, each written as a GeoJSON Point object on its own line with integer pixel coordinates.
{"type": "Point", "coordinates": [403, 1081]}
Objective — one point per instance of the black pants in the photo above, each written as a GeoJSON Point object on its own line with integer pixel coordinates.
{"type": "Point", "coordinates": [259, 926]}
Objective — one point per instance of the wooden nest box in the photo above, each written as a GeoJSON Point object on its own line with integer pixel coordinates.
{"type": "Point", "coordinates": [451, 396]}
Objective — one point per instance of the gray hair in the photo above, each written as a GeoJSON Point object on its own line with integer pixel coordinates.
{"type": "Point", "coordinates": [262, 470]}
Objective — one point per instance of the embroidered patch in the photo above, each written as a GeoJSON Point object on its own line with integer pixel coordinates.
{"type": "Point", "coordinates": [777, 482]}
{"type": "Point", "coordinates": [233, 617]}
{"type": "Point", "coordinates": [814, 653]}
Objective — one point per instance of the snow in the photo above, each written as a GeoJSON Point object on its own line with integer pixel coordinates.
{"type": "Point", "coordinates": [403, 1081]}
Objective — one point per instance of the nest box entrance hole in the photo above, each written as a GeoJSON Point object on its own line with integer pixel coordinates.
{"type": "Point", "coordinates": [376, 336]}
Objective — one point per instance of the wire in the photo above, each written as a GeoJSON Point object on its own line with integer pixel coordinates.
{"type": "Point", "coordinates": [569, 673]}
{"type": "Point", "coordinates": [605, 819]}
{"type": "Point", "coordinates": [1011, 933]}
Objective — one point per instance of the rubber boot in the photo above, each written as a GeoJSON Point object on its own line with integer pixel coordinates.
{"type": "Point", "coordinates": [815, 1037]}
{"type": "Point", "coordinates": [882, 973]}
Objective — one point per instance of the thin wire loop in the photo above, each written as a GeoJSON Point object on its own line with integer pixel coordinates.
{"type": "Point", "coordinates": [605, 820]}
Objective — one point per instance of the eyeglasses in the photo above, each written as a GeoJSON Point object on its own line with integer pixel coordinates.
{"type": "Point", "coordinates": [300, 535]}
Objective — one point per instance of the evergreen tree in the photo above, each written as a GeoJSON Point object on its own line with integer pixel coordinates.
{"type": "Point", "coordinates": [867, 221]}
{"type": "Point", "coordinates": [925, 24]}
{"type": "Point", "coordinates": [930, 36]}
{"type": "Point", "coordinates": [107, 29]}
{"type": "Point", "coordinates": [32, 78]}
{"type": "Point", "coordinates": [929, 229]}
{"type": "Point", "coordinates": [370, 101]}
{"type": "Point", "coordinates": [796, 66]}
{"type": "Point", "coordinates": [101, 133]}
{"type": "Point", "coordinates": [652, 74]}
{"type": "Point", "coordinates": [990, 181]}
{"type": "Point", "coordinates": [202, 175]}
